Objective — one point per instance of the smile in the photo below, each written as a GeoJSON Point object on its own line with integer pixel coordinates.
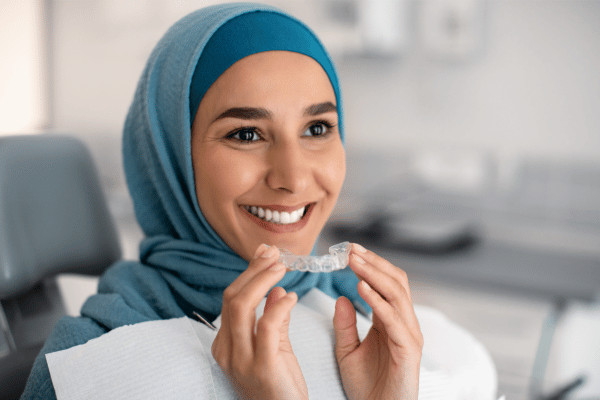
{"type": "Point", "coordinates": [276, 217]}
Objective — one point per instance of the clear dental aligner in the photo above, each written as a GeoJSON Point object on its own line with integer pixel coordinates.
{"type": "Point", "coordinates": [335, 260]}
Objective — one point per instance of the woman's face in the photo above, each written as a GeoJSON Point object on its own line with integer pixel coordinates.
{"type": "Point", "coordinates": [268, 159]}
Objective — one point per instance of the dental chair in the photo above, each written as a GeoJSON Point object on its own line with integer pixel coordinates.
{"type": "Point", "coordinates": [53, 219]}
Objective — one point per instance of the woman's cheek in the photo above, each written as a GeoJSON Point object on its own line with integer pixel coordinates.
{"type": "Point", "coordinates": [333, 171]}
{"type": "Point", "coordinates": [244, 172]}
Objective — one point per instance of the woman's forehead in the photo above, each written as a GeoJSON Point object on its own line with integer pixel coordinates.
{"type": "Point", "coordinates": [276, 77]}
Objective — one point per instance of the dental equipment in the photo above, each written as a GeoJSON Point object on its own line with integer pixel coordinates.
{"type": "Point", "coordinates": [336, 259]}
{"type": "Point", "coordinates": [204, 321]}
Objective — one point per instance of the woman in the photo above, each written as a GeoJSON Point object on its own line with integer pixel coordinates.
{"type": "Point", "coordinates": [234, 141]}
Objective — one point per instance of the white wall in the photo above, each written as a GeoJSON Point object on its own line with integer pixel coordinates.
{"type": "Point", "coordinates": [531, 90]}
{"type": "Point", "coordinates": [22, 73]}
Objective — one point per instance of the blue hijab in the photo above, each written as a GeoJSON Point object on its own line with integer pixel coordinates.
{"type": "Point", "coordinates": [184, 264]}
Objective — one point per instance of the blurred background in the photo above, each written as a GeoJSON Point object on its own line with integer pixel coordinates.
{"type": "Point", "coordinates": [473, 141]}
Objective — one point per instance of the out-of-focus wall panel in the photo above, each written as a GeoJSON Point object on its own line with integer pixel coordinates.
{"type": "Point", "coordinates": [531, 90]}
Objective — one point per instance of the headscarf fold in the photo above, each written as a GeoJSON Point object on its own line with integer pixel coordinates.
{"type": "Point", "coordinates": [184, 265]}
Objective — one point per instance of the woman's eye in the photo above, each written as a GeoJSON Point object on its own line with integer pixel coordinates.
{"type": "Point", "coordinates": [245, 135]}
{"type": "Point", "coordinates": [318, 129]}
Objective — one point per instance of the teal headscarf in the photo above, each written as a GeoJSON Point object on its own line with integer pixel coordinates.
{"type": "Point", "coordinates": [184, 264]}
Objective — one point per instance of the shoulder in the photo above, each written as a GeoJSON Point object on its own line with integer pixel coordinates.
{"type": "Point", "coordinates": [68, 332]}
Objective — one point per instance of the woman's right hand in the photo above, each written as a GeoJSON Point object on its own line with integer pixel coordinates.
{"type": "Point", "coordinates": [257, 356]}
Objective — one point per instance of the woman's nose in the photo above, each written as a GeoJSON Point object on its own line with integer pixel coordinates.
{"type": "Point", "coordinates": [289, 168]}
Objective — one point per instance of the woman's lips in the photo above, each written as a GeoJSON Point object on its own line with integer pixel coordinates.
{"type": "Point", "coordinates": [280, 219]}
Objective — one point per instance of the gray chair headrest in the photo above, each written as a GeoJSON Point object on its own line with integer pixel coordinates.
{"type": "Point", "coordinates": [53, 215]}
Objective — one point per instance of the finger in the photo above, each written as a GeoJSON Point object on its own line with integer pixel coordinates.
{"type": "Point", "coordinates": [382, 264]}
{"type": "Point", "coordinates": [220, 349]}
{"type": "Point", "coordinates": [395, 327]}
{"type": "Point", "coordinates": [274, 296]}
{"type": "Point", "coordinates": [344, 325]}
{"type": "Point", "coordinates": [241, 309]}
{"type": "Point", "coordinates": [263, 258]}
{"type": "Point", "coordinates": [258, 287]}
{"type": "Point", "coordinates": [392, 288]}
{"type": "Point", "coordinates": [283, 330]}
{"type": "Point", "coordinates": [389, 288]}
{"type": "Point", "coordinates": [393, 294]}
{"type": "Point", "coordinates": [270, 326]}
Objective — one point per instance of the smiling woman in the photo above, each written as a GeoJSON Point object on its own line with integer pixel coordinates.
{"type": "Point", "coordinates": [233, 148]}
{"type": "Point", "coordinates": [289, 160]}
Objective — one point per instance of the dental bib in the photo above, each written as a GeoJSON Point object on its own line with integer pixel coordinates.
{"type": "Point", "coordinates": [336, 259]}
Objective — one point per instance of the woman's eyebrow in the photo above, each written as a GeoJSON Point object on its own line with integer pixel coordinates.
{"type": "Point", "coordinates": [253, 113]}
{"type": "Point", "coordinates": [245, 113]}
{"type": "Point", "coordinates": [320, 108]}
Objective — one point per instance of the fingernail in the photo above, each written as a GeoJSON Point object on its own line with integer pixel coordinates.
{"type": "Point", "coordinates": [366, 285]}
{"type": "Point", "coordinates": [277, 267]}
{"type": "Point", "coordinates": [270, 252]}
{"type": "Point", "coordinates": [292, 295]}
{"type": "Point", "coordinates": [358, 259]}
{"type": "Point", "coordinates": [359, 248]}
{"type": "Point", "coordinates": [259, 250]}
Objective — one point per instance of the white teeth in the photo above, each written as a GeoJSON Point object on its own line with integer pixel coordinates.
{"type": "Point", "coordinates": [294, 216]}
{"type": "Point", "coordinates": [278, 217]}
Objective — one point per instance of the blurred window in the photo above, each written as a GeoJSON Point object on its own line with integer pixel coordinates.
{"type": "Point", "coordinates": [23, 86]}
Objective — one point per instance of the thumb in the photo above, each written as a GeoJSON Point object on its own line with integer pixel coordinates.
{"type": "Point", "coordinates": [276, 294]}
{"type": "Point", "coordinates": [272, 329]}
{"type": "Point", "coordinates": [344, 325]}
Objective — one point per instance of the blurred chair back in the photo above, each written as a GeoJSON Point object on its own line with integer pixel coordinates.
{"type": "Point", "coordinates": [53, 219]}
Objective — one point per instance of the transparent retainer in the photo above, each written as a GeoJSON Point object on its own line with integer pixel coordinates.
{"type": "Point", "coordinates": [335, 260]}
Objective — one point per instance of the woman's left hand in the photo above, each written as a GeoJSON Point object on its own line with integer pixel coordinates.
{"type": "Point", "coordinates": [385, 365]}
